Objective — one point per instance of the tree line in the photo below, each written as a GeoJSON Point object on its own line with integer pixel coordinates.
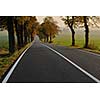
{"type": "Point", "coordinates": [81, 21]}
{"type": "Point", "coordinates": [48, 29]}
{"type": "Point", "coordinates": [23, 26]}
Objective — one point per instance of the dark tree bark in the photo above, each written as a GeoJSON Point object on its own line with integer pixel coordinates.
{"type": "Point", "coordinates": [18, 41]}
{"type": "Point", "coordinates": [73, 36]}
{"type": "Point", "coordinates": [10, 23]}
{"type": "Point", "coordinates": [47, 38]}
{"type": "Point", "coordinates": [50, 38]}
{"type": "Point", "coordinates": [31, 37]}
{"type": "Point", "coordinates": [25, 35]}
{"type": "Point", "coordinates": [25, 39]}
{"type": "Point", "coordinates": [21, 35]}
{"type": "Point", "coordinates": [86, 32]}
{"type": "Point", "coordinates": [17, 34]}
{"type": "Point", "coordinates": [70, 24]}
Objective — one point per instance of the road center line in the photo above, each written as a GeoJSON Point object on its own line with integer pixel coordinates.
{"type": "Point", "coordinates": [78, 67]}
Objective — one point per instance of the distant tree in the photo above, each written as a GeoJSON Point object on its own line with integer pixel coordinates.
{"type": "Point", "coordinates": [86, 19]}
{"type": "Point", "coordinates": [19, 31]}
{"type": "Point", "coordinates": [71, 22]}
{"type": "Point", "coordinates": [81, 21]}
{"type": "Point", "coordinates": [26, 33]}
{"type": "Point", "coordinates": [25, 29]}
{"type": "Point", "coordinates": [32, 26]}
{"type": "Point", "coordinates": [42, 33]}
{"type": "Point", "coordinates": [49, 28]}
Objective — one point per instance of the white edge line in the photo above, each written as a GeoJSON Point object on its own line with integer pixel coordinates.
{"type": "Point", "coordinates": [82, 70]}
{"type": "Point", "coordinates": [89, 52]}
{"type": "Point", "coordinates": [14, 66]}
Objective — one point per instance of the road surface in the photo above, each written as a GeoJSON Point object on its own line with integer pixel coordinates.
{"type": "Point", "coordinates": [41, 65]}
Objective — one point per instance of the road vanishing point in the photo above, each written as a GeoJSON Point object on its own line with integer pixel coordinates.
{"type": "Point", "coordinates": [48, 63]}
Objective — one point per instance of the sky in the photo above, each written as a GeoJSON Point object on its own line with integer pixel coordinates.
{"type": "Point", "coordinates": [56, 18]}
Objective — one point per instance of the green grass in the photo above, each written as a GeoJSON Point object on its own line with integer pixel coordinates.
{"type": "Point", "coordinates": [64, 38]}
{"type": "Point", "coordinates": [4, 40]}
{"type": "Point", "coordinates": [7, 61]}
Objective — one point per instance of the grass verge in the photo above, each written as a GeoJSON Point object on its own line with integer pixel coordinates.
{"type": "Point", "coordinates": [65, 40]}
{"type": "Point", "coordinates": [7, 61]}
{"type": "Point", "coordinates": [91, 48]}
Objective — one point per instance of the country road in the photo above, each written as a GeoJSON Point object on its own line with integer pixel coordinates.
{"type": "Point", "coordinates": [41, 65]}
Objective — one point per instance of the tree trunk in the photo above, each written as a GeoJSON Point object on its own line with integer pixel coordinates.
{"type": "Point", "coordinates": [21, 35]}
{"type": "Point", "coordinates": [47, 38]}
{"type": "Point", "coordinates": [86, 32]}
{"type": "Point", "coordinates": [18, 41]}
{"type": "Point", "coordinates": [50, 38]}
{"type": "Point", "coordinates": [10, 22]}
{"type": "Point", "coordinates": [25, 39]}
{"type": "Point", "coordinates": [25, 35]}
{"type": "Point", "coordinates": [31, 37]}
{"type": "Point", "coordinates": [73, 36]}
{"type": "Point", "coordinates": [17, 34]}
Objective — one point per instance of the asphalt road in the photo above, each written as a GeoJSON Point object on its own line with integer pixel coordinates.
{"type": "Point", "coordinates": [89, 61]}
{"type": "Point", "coordinates": [41, 65]}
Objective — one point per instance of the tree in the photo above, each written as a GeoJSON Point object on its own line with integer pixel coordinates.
{"type": "Point", "coordinates": [19, 31]}
{"type": "Point", "coordinates": [32, 26]}
{"type": "Point", "coordinates": [71, 22]}
{"type": "Point", "coordinates": [86, 19]}
{"type": "Point", "coordinates": [26, 33]}
{"type": "Point", "coordinates": [10, 26]}
{"type": "Point", "coordinates": [42, 32]}
{"type": "Point", "coordinates": [81, 21]}
{"type": "Point", "coordinates": [7, 22]}
{"type": "Point", "coordinates": [3, 22]}
{"type": "Point", "coordinates": [23, 26]}
{"type": "Point", "coordinates": [49, 28]}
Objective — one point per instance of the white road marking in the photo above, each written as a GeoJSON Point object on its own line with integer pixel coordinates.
{"type": "Point", "coordinates": [14, 66]}
{"type": "Point", "coordinates": [78, 67]}
{"type": "Point", "coordinates": [90, 53]}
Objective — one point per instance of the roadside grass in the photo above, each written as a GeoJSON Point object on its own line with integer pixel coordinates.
{"type": "Point", "coordinates": [4, 45]}
{"type": "Point", "coordinates": [64, 39]}
{"type": "Point", "coordinates": [7, 61]}
{"type": "Point", "coordinates": [4, 40]}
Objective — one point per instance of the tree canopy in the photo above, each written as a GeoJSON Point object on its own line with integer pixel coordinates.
{"type": "Point", "coordinates": [49, 28]}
